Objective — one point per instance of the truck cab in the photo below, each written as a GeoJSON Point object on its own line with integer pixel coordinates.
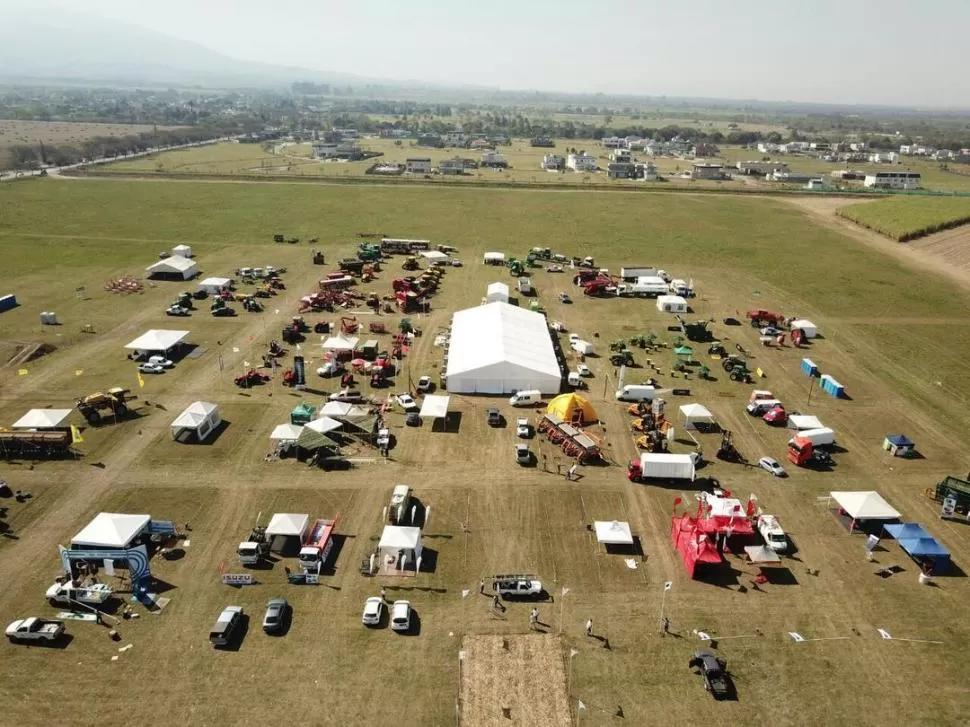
{"type": "Point", "coordinates": [772, 532]}
{"type": "Point", "coordinates": [252, 552]}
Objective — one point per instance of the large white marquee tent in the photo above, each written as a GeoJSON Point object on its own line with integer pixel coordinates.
{"type": "Point", "coordinates": [173, 268]}
{"type": "Point", "coordinates": [157, 341]}
{"type": "Point", "coordinates": [500, 348]}
{"type": "Point", "coordinates": [111, 530]}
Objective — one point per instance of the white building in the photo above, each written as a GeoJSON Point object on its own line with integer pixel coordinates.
{"type": "Point", "coordinates": [893, 180]}
{"type": "Point", "coordinates": [884, 157]}
{"type": "Point", "coordinates": [613, 142]}
{"type": "Point", "coordinates": [553, 161]}
{"type": "Point", "coordinates": [767, 147]}
{"type": "Point", "coordinates": [650, 173]}
{"type": "Point", "coordinates": [621, 155]}
{"type": "Point", "coordinates": [418, 165]}
{"type": "Point", "coordinates": [499, 348]}
{"type": "Point", "coordinates": [581, 162]}
{"type": "Point", "coordinates": [493, 159]}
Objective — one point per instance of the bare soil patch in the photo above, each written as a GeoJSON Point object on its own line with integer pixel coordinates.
{"type": "Point", "coordinates": [523, 684]}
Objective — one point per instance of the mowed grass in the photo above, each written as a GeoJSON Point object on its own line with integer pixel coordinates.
{"type": "Point", "coordinates": [488, 514]}
{"type": "Point", "coordinates": [907, 218]}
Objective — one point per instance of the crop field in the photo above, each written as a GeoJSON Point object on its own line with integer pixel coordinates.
{"type": "Point", "coordinates": [13, 133]}
{"type": "Point", "coordinates": [895, 336]}
{"type": "Point", "coordinates": [908, 218]}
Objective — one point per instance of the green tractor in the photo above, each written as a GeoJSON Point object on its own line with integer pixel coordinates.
{"type": "Point", "coordinates": [369, 252]}
{"type": "Point", "coordinates": [622, 358]}
{"type": "Point", "coordinates": [718, 350]}
{"type": "Point", "coordinates": [704, 372]}
{"type": "Point", "coordinates": [639, 341]}
{"type": "Point", "coordinates": [516, 267]}
{"type": "Point", "coordinates": [736, 368]}
{"type": "Point", "coordinates": [618, 345]}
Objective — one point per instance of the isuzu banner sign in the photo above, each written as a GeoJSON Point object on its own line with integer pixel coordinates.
{"type": "Point", "coordinates": [237, 579]}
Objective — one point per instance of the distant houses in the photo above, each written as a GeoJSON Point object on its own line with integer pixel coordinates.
{"type": "Point", "coordinates": [418, 165]}
{"type": "Point", "coordinates": [543, 141]}
{"type": "Point", "coordinates": [581, 162]}
{"type": "Point", "coordinates": [553, 162]}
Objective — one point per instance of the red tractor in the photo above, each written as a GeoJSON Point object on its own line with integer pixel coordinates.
{"type": "Point", "coordinates": [762, 318]}
{"type": "Point", "coordinates": [250, 378]}
{"type": "Point", "coordinates": [600, 285]}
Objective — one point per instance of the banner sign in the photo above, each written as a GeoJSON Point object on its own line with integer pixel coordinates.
{"type": "Point", "coordinates": [237, 579]}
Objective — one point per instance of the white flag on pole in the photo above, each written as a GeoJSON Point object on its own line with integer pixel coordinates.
{"type": "Point", "coordinates": [668, 585]}
{"type": "Point", "coordinates": [573, 652]}
{"type": "Point", "coordinates": [461, 655]}
{"type": "Point", "coordinates": [581, 705]}
{"type": "Point", "coordinates": [465, 592]}
{"type": "Point", "coordinates": [565, 590]}
{"type": "Point", "coordinates": [885, 634]}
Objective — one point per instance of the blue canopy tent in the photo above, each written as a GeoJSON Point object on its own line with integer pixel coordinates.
{"type": "Point", "coordinates": [906, 531]}
{"type": "Point", "coordinates": [927, 550]}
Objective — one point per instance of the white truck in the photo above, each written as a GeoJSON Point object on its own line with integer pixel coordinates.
{"type": "Point", "coordinates": [772, 532]}
{"type": "Point", "coordinates": [662, 466]}
{"type": "Point", "coordinates": [822, 437]}
{"type": "Point", "coordinates": [643, 288]}
{"type": "Point", "coordinates": [35, 629]}
{"type": "Point", "coordinates": [64, 594]}
{"type": "Point", "coordinates": [680, 287]}
{"type": "Point", "coordinates": [252, 551]}
{"type": "Point", "coordinates": [516, 585]}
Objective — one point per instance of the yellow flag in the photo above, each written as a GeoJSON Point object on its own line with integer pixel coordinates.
{"type": "Point", "coordinates": [22, 372]}
{"type": "Point", "coordinates": [78, 372]}
{"type": "Point", "coordinates": [76, 437]}
{"type": "Point", "coordinates": [141, 381]}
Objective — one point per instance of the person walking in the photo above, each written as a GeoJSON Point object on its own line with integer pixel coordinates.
{"type": "Point", "coordinates": [589, 627]}
{"type": "Point", "coordinates": [533, 618]}
{"type": "Point", "coordinates": [497, 604]}
{"type": "Point", "coordinates": [481, 587]}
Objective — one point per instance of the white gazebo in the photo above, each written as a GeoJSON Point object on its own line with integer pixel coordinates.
{"type": "Point", "coordinates": [865, 505]}
{"type": "Point", "coordinates": [435, 256]}
{"type": "Point", "coordinates": [157, 341]}
{"type": "Point", "coordinates": [43, 419]}
{"type": "Point", "coordinates": [613, 532]}
{"type": "Point", "coordinates": [339, 343]}
{"type": "Point", "coordinates": [671, 304]}
{"type": "Point", "coordinates": [289, 526]}
{"type": "Point", "coordinates": [497, 293]}
{"type": "Point", "coordinates": [182, 251]}
{"type": "Point", "coordinates": [695, 414]}
{"type": "Point", "coordinates": [213, 286]}
{"type": "Point", "coordinates": [173, 268]}
{"type": "Point", "coordinates": [324, 424]}
{"type": "Point", "coordinates": [199, 419]}
{"type": "Point", "coordinates": [435, 406]}
{"type": "Point", "coordinates": [111, 530]}
{"type": "Point", "coordinates": [286, 432]}
{"type": "Point", "coordinates": [399, 547]}
{"type": "Point", "coordinates": [494, 258]}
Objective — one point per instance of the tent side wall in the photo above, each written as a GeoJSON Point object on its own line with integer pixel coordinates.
{"type": "Point", "coordinates": [502, 378]}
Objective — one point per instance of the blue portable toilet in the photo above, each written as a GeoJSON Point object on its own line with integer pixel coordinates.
{"type": "Point", "coordinates": [809, 368]}
{"type": "Point", "coordinates": [8, 302]}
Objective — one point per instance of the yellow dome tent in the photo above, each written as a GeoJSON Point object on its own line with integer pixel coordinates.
{"type": "Point", "coordinates": [572, 408]}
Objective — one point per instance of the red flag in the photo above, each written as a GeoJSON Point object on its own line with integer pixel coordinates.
{"type": "Point", "coordinates": [751, 508]}
{"type": "Point", "coordinates": [678, 501]}
{"type": "Point", "coordinates": [727, 493]}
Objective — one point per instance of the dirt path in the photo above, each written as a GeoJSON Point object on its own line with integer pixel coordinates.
{"type": "Point", "coordinates": [945, 254]}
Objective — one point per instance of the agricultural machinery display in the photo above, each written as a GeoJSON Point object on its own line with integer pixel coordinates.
{"type": "Point", "coordinates": [114, 400]}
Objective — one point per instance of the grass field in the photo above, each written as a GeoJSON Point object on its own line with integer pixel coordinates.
{"type": "Point", "coordinates": [13, 133]}
{"type": "Point", "coordinates": [907, 218]}
{"type": "Point", "coordinates": [897, 339]}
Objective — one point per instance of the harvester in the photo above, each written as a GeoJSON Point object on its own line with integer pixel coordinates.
{"type": "Point", "coordinates": [696, 330]}
{"type": "Point", "coordinates": [114, 400]}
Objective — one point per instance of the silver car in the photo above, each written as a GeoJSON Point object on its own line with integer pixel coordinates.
{"type": "Point", "coordinates": [275, 615]}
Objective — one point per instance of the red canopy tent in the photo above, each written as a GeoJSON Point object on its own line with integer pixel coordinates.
{"type": "Point", "coordinates": [692, 543]}
{"type": "Point", "coordinates": [723, 514]}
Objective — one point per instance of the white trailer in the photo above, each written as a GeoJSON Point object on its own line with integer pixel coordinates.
{"type": "Point", "coordinates": [643, 288]}
{"type": "Point", "coordinates": [662, 466]}
{"type": "Point", "coordinates": [821, 437]}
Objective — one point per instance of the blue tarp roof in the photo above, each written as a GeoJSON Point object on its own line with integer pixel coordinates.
{"type": "Point", "coordinates": [924, 548]}
{"type": "Point", "coordinates": [907, 531]}
{"type": "Point", "coordinates": [900, 440]}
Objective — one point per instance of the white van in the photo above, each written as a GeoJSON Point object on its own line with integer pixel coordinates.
{"type": "Point", "coordinates": [636, 392]}
{"type": "Point", "coordinates": [679, 287]}
{"type": "Point", "coordinates": [526, 398]}
{"type": "Point", "coordinates": [583, 347]}
{"type": "Point", "coordinates": [761, 406]}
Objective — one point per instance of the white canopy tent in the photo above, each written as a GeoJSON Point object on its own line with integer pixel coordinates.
{"type": "Point", "coordinates": [344, 409]}
{"type": "Point", "coordinates": [157, 341]}
{"type": "Point", "coordinates": [435, 406]}
{"type": "Point", "coordinates": [339, 343]}
{"type": "Point", "coordinates": [761, 554]}
{"type": "Point", "coordinates": [695, 414]}
{"type": "Point", "coordinates": [399, 546]}
{"type": "Point", "coordinates": [865, 505]}
{"type": "Point", "coordinates": [43, 419]}
{"type": "Point", "coordinates": [290, 527]}
{"type": "Point", "coordinates": [497, 293]}
{"type": "Point", "coordinates": [435, 256]}
{"type": "Point", "coordinates": [800, 422]}
{"type": "Point", "coordinates": [111, 530]}
{"type": "Point", "coordinates": [200, 418]}
{"type": "Point", "coordinates": [324, 424]}
{"type": "Point", "coordinates": [212, 286]}
{"type": "Point", "coordinates": [175, 267]}
{"type": "Point", "coordinates": [613, 532]}
{"type": "Point", "coordinates": [286, 432]}
{"type": "Point", "coordinates": [500, 348]}
{"type": "Point", "coordinates": [182, 250]}
{"type": "Point", "coordinates": [494, 258]}
{"type": "Point", "coordinates": [671, 304]}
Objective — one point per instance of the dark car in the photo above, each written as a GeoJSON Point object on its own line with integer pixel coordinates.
{"type": "Point", "coordinates": [494, 418]}
{"type": "Point", "coordinates": [413, 419]}
{"type": "Point", "coordinates": [275, 615]}
{"type": "Point", "coordinates": [712, 668]}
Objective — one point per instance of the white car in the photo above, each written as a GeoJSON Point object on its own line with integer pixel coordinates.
{"type": "Point", "coordinates": [770, 464]}
{"type": "Point", "coordinates": [523, 428]}
{"type": "Point", "coordinates": [424, 384]}
{"type": "Point", "coordinates": [401, 616]}
{"type": "Point", "coordinates": [772, 532]}
{"type": "Point", "coordinates": [373, 611]}
{"type": "Point", "coordinates": [161, 361]}
{"type": "Point", "coordinates": [406, 402]}
{"type": "Point", "coordinates": [583, 370]}
{"type": "Point", "coordinates": [150, 368]}
{"type": "Point", "coordinates": [574, 338]}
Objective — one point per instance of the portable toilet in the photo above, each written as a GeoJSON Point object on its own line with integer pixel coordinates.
{"type": "Point", "coordinates": [809, 368]}
{"type": "Point", "coordinates": [302, 413]}
{"type": "Point", "coordinates": [8, 302]}
{"type": "Point", "coordinates": [369, 351]}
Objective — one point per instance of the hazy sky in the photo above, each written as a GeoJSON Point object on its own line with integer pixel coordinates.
{"type": "Point", "coordinates": [849, 51]}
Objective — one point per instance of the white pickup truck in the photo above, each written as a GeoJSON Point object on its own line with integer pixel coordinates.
{"type": "Point", "coordinates": [516, 585]}
{"type": "Point", "coordinates": [63, 594]}
{"type": "Point", "coordinates": [35, 629]}
{"type": "Point", "coordinates": [772, 532]}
